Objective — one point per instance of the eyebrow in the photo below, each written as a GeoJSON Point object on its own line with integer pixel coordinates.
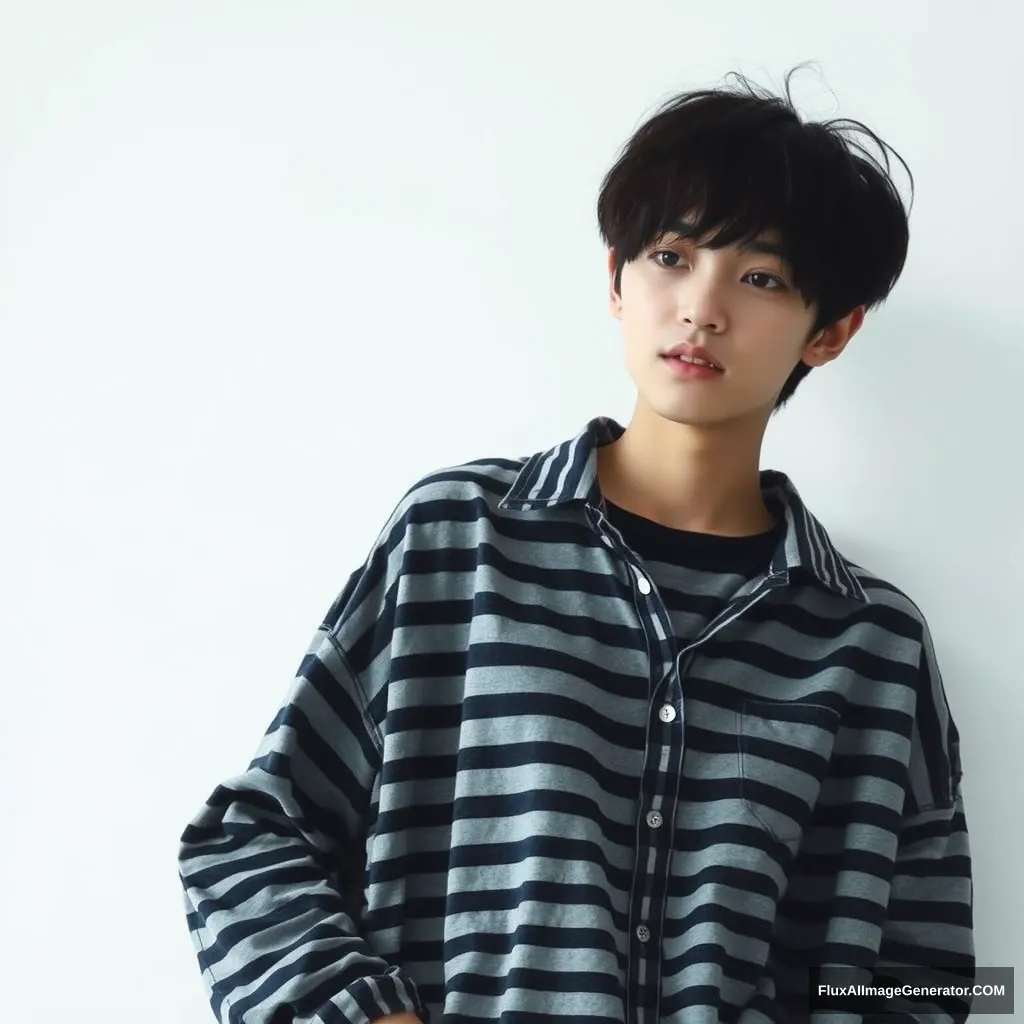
{"type": "Point", "coordinates": [686, 228]}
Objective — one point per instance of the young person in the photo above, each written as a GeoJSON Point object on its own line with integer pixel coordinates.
{"type": "Point", "coordinates": [613, 732]}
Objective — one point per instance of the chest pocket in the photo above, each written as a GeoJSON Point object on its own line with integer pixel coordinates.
{"type": "Point", "coordinates": [784, 752]}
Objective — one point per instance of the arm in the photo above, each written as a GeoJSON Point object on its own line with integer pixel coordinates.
{"type": "Point", "coordinates": [929, 925]}
{"type": "Point", "coordinates": [906, 903]}
{"type": "Point", "coordinates": [265, 864]}
{"type": "Point", "coordinates": [928, 933]}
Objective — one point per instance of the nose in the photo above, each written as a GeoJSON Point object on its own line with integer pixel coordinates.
{"type": "Point", "coordinates": [701, 305]}
{"type": "Point", "coordinates": [701, 323]}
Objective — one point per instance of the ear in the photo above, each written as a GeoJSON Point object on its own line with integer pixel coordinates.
{"type": "Point", "coordinates": [614, 297]}
{"type": "Point", "coordinates": [830, 341]}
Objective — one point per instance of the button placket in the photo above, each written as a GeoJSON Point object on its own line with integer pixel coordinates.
{"type": "Point", "coordinates": [648, 891]}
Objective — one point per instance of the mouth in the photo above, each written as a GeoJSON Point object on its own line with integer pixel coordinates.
{"type": "Point", "coordinates": [691, 371]}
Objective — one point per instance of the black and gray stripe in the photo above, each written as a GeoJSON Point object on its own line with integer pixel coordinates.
{"type": "Point", "coordinates": [539, 764]}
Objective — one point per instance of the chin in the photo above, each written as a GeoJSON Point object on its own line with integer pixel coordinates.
{"type": "Point", "coordinates": [705, 409]}
{"type": "Point", "coordinates": [693, 414]}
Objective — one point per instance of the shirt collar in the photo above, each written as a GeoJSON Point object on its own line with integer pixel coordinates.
{"type": "Point", "coordinates": [568, 472]}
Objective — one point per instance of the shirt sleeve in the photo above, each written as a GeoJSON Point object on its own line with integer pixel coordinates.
{"type": "Point", "coordinates": [909, 909]}
{"type": "Point", "coordinates": [928, 935]}
{"type": "Point", "coordinates": [271, 866]}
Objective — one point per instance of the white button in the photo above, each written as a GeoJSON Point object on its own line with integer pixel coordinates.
{"type": "Point", "coordinates": [643, 933]}
{"type": "Point", "coordinates": [654, 819]}
{"type": "Point", "coordinates": [667, 713]}
{"type": "Point", "coordinates": [643, 583]}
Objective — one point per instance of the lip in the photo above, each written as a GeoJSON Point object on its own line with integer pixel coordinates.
{"type": "Point", "coordinates": [690, 371]}
{"type": "Point", "coordinates": [695, 351]}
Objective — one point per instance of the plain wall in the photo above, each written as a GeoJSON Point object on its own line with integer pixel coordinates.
{"type": "Point", "coordinates": [264, 264]}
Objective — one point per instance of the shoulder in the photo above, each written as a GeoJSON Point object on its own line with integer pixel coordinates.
{"type": "Point", "coordinates": [437, 515]}
{"type": "Point", "coordinates": [900, 636]}
{"type": "Point", "coordinates": [478, 477]}
{"type": "Point", "coordinates": [439, 511]}
{"type": "Point", "coordinates": [448, 494]}
{"type": "Point", "coordinates": [893, 606]}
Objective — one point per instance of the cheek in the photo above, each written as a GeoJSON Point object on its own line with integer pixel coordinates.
{"type": "Point", "coordinates": [640, 286]}
{"type": "Point", "coordinates": [645, 307]}
{"type": "Point", "coordinates": [768, 366]}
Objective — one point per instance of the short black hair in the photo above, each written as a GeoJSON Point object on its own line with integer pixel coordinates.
{"type": "Point", "coordinates": [741, 161]}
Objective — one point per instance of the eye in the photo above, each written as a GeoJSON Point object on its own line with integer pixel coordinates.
{"type": "Point", "coordinates": [775, 283]}
{"type": "Point", "coordinates": [779, 285]}
{"type": "Point", "coordinates": [663, 252]}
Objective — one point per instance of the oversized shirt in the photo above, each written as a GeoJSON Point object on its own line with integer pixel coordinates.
{"type": "Point", "coordinates": [527, 773]}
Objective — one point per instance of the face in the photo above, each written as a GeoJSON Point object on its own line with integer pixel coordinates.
{"type": "Point", "coordinates": [740, 305]}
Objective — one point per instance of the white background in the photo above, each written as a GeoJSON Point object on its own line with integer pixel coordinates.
{"type": "Point", "coordinates": [263, 264]}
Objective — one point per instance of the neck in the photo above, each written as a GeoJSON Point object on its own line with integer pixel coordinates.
{"type": "Point", "coordinates": [703, 479]}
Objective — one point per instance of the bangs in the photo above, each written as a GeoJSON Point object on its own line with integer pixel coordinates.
{"type": "Point", "coordinates": [723, 198]}
{"type": "Point", "coordinates": [730, 189]}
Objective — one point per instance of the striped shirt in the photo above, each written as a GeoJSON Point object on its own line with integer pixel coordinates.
{"type": "Point", "coordinates": [547, 760]}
